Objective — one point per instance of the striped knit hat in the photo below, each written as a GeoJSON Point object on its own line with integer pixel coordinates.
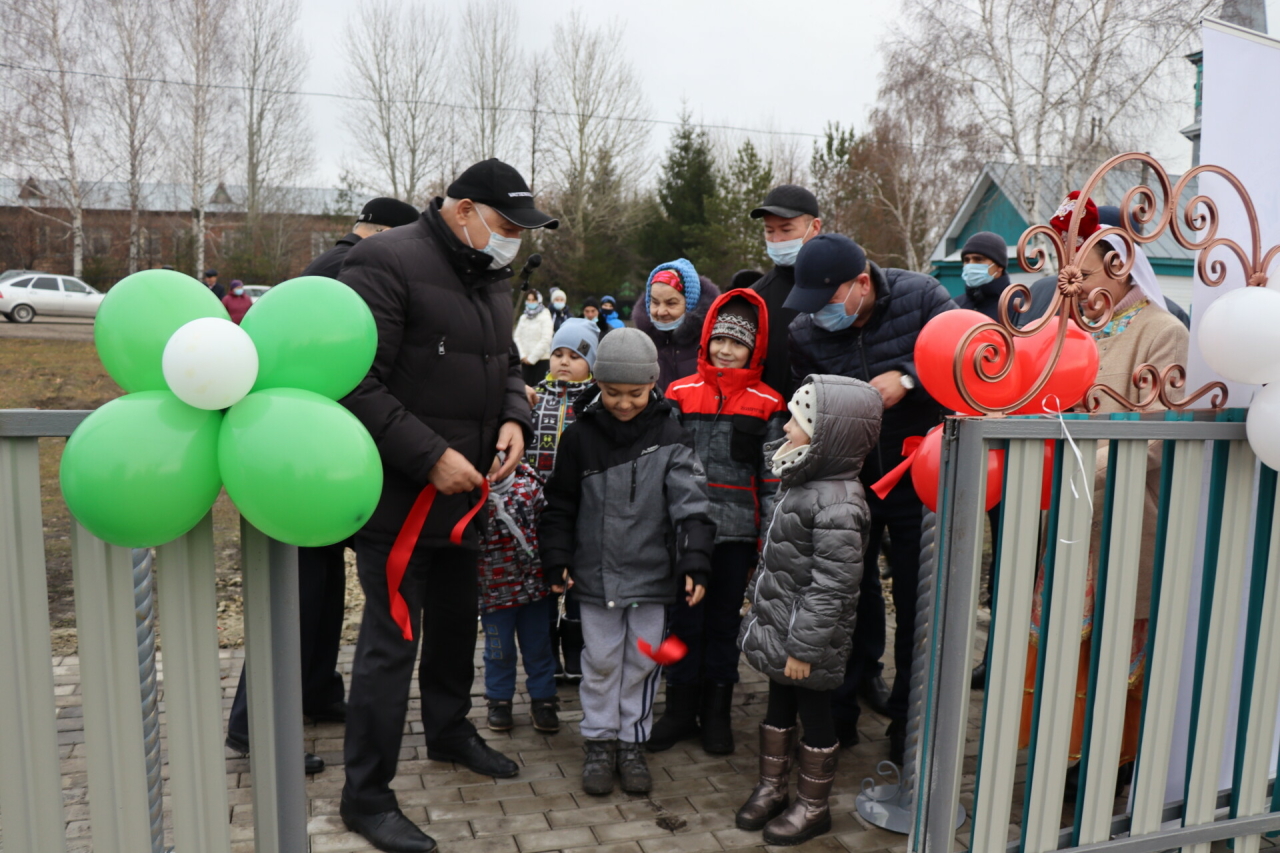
{"type": "Point", "coordinates": [737, 321]}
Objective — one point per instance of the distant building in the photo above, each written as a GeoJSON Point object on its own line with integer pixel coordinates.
{"type": "Point", "coordinates": [990, 206]}
{"type": "Point", "coordinates": [303, 222]}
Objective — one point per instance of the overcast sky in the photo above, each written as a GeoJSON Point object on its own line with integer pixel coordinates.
{"type": "Point", "coordinates": [769, 64]}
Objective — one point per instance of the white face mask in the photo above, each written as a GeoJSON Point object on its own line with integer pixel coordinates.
{"type": "Point", "coordinates": [503, 250]}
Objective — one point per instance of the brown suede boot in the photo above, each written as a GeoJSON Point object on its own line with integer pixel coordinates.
{"type": "Point", "coordinates": [808, 815]}
{"type": "Point", "coordinates": [770, 795]}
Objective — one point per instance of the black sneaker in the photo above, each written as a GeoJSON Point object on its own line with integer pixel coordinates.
{"type": "Point", "coordinates": [545, 716]}
{"type": "Point", "coordinates": [597, 769]}
{"type": "Point", "coordinates": [500, 715]}
{"type": "Point", "coordinates": [633, 769]}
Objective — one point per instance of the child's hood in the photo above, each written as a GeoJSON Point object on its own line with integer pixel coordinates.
{"type": "Point", "coordinates": [846, 425]}
{"type": "Point", "coordinates": [750, 374]}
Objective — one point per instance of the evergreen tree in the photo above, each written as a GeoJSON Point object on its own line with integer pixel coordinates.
{"type": "Point", "coordinates": [731, 240]}
{"type": "Point", "coordinates": [688, 180]}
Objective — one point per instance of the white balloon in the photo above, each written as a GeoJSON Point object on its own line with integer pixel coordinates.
{"type": "Point", "coordinates": [210, 363]}
{"type": "Point", "coordinates": [1263, 425]}
{"type": "Point", "coordinates": [1239, 336]}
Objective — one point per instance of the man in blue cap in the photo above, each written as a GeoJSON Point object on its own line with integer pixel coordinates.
{"type": "Point", "coordinates": [858, 320]}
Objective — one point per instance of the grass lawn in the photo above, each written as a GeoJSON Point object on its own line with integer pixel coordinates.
{"type": "Point", "coordinates": [59, 374]}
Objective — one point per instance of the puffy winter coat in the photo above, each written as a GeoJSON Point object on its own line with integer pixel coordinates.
{"type": "Point", "coordinates": [533, 336]}
{"type": "Point", "coordinates": [986, 299]}
{"type": "Point", "coordinates": [732, 415]}
{"type": "Point", "coordinates": [677, 350]}
{"type": "Point", "coordinates": [804, 596]}
{"type": "Point", "coordinates": [905, 301]}
{"type": "Point", "coordinates": [627, 508]}
{"type": "Point", "coordinates": [1042, 292]}
{"type": "Point", "coordinates": [329, 262]}
{"type": "Point", "coordinates": [775, 286]}
{"type": "Point", "coordinates": [445, 373]}
{"type": "Point", "coordinates": [509, 570]}
{"type": "Point", "coordinates": [553, 413]}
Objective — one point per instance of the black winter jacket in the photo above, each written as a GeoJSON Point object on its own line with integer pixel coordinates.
{"type": "Point", "coordinates": [627, 509]}
{"type": "Point", "coordinates": [775, 286]}
{"type": "Point", "coordinates": [905, 301]}
{"type": "Point", "coordinates": [329, 262]}
{"type": "Point", "coordinates": [445, 374]}
{"type": "Point", "coordinates": [677, 350]}
{"type": "Point", "coordinates": [986, 299]}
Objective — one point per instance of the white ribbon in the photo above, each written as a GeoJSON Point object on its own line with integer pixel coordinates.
{"type": "Point", "coordinates": [1071, 479]}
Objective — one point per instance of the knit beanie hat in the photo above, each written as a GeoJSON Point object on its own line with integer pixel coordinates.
{"type": "Point", "coordinates": [679, 274]}
{"type": "Point", "coordinates": [737, 320]}
{"type": "Point", "coordinates": [626, 357]}
{"type": "Point", "coordinates": [804, 407]}
{"type": "Point", "coordinates": [988, 244]}
{"type": "Point", "coordinates": [581, 336]}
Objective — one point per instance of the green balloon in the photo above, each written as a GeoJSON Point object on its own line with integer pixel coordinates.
{"type": "Point", "coordinates": [137, 318]}
{"type": "Point", "coordinates": [143, 469]}
{"type": "Point", "coordinates": [299, 467]}
{"type": "Point", "coordinates": [313, 333]}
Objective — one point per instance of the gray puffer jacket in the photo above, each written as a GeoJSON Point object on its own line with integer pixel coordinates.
{"type": "Point", "coordinates": [804, 596]}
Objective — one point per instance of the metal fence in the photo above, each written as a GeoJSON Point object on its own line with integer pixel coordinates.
{"type": "Point", "coordinates": [190, 694]}
{"type": "Point", "coordinates": [1225, 545]}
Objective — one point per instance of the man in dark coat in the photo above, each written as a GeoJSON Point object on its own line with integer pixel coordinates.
{"type": "Point", "coordinates": [322, 572]}
{"type": "Point", "coordinates": [211, 282]}
{"type": "Point", "coordinates": [443, 397]}
{"type": "Point", "coordinates": [858, 320]}
{"type": "Point", "coordinates": [985, 257]}
{"type": "Point", "coordinates": [379, 214]}
{"type": "Point", "coordinates": [790, 215]}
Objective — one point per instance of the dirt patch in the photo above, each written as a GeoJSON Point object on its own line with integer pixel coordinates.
{"type": "Point", "coordinates": [64, 374]}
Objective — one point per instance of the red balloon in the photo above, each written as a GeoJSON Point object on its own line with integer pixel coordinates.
{"type": "Point", "coordinates": [935, 355]}
{"type": "Point", "coordinates": [1075, 373]}
{"type": "Point", "coordinates": [926, 471]}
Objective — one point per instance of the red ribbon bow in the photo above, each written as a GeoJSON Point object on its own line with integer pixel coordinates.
{"type": "Point", "coordinates": [910, 447]}
{"type": "Point", "coordinates": [407, 540]}
{"type": "Point", "coordinates": [669, 651]}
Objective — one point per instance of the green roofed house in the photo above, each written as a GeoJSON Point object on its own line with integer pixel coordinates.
{"type": "Point", "coordinates": [991, 206]}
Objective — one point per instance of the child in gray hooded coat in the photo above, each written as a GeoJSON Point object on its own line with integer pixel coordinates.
{"type": "Point", "coordinates": [804, 599]}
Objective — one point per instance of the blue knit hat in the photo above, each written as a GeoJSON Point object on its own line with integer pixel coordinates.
{"type": "Point", "coordinates": [581, 336]}
{"type": "Point", "coordinates": [688, 275]}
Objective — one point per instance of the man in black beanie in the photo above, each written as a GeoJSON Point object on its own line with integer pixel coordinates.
{"type": "Point", "coordinates": [985, 256]}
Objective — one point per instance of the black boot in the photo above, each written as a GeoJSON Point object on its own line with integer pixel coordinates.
{"type": "Point", "coordinates": [897, 733]}
{"type": "Point", "coordinates": [571, 647]}
{"type": "Point", "coordinates": [717, 733]}
{"type": "Point", "coordinates": [978, 678]}
{"type": "Point", "coordinates": [679, 720]}
{"type": "Point", "coordinates": [499, 718]}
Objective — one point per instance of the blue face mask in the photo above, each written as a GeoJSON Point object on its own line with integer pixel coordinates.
{"type": "Point", "coordinates": [669, 327]}
{"type": "Point", "coordinates": [832, 317]}
{"type": "Point", "coordinates": [784, 252]}
{"type": "Point", "coordinates": [976, 275]}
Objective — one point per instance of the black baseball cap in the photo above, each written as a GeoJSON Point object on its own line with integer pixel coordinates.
{"type": "Point", "coordinates": [389, 212]}
{"type": "Point", "coordinates": [824, 263]}
{"type": "Point", "coordinates": [787, 201]}
{"type": "Point", "coordinates": [498, 185]}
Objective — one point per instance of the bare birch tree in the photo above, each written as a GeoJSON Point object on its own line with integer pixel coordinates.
{"type": "Point", "coordinates": [490, 77]}
{"type": "Point", "coordinates": [397, 63]}
{"type": "Point", "coordinates": [1060, 83]}
{"type": "Point", "coordinates": [537, 82]}
{"type": "Point", "coordinates": [130, 57]}
{"type": "Point", "coordinates": [201, 29]}
{"type": "Point", "coordinates": [272, 62]}
{"type": "Point", "coordinates": [54, 118]}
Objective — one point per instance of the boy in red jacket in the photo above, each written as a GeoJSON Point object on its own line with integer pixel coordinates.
{"type": "Point", "coordinates": [731, 414]}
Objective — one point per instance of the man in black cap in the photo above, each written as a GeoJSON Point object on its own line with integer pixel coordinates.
{"type": "Point", "coordinates": [379, 214]}
{"type": "Point", "coordinates": [444, 396]}
{"type": "Point", "coordinates": [790, 215]}
{"type": "Point", "coordinates": [322, 572]}
{"type": "Point", "coordinates": [858, 320]}
{"type": "Point", "coordinates": [211, 282]}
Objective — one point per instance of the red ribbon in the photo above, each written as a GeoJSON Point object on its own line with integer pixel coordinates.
{"type": "Point", "coordinates": [407, 540]}
{"type": "Point", "coordinates": [910, 447]}
{"type": "Point", "coordinates": [669, 651]}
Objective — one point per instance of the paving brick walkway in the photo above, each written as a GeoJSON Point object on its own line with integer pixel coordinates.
{"type": "Point", "coordinates": [543, 809]}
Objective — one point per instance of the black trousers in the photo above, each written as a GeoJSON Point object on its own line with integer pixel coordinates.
{"type": "Point", "coordinates": [813, 707]}
{"type": "Point", "coordinates": [900, 513]}
{"type": "Point", "coordinates": [535, 373]}
{"type": "Point", "coordinates": [322, 598]}
{"type": "Point", "coordinates": [440, 588]}
{"type": "Point", "coordinates": [710, 628]}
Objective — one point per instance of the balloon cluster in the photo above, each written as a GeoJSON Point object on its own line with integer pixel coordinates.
{"type": "Point", "coordinates": [1239, 340]}
{"type": "Point", "coordinates": [212, 404]}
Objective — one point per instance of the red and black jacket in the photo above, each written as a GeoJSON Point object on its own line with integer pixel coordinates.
{"type": "Point", "coordinates": [732, 414]}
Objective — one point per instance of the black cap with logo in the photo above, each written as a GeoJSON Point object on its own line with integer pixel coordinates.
{"type": "Point", "coordinates": [389, 212]}
{"type": "Point", "coordinates": [495, 184]}
{"type": "Point", "coordinates": [788, 201]}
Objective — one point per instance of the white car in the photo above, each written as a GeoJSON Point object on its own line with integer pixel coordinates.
{"type": "Point", "coordinates": [22, 297]}
{"type": "Point", "coordinates": [255, 291]}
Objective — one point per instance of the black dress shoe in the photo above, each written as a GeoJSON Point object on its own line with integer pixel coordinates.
{"type": "Point", "coordinates": [978, 680]}
{"type": "Point", "coordinates": [335, 713]}
{"type": "Point", "coordinates": [311, 762]}
{"type": "Point", "coordinates": [875, 693]}
{"type": "Point", "coordinates": [390, 831]}
{"type": "Point", "coordinates": [475, 755]}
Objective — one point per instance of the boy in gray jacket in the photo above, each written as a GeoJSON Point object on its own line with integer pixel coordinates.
{"type": "Point", "coordinates": [627, 523]}
{"type": "Point", "coordinates": [804, 599]}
